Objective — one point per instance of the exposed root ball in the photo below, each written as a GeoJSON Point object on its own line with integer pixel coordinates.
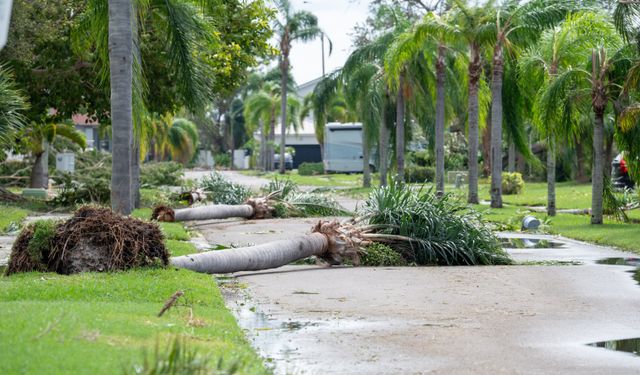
{"type": "Point", "coordinates": [163, 213]}
{"type": "Point", "coordinates": [263, 208]}
{"type": "Point", "coordinates": [94, 239]}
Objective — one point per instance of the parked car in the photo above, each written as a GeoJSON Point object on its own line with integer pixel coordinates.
{"type": "Point", "coordinates": [620, 173]}
{"type": "Point", "coordinates": [288, 161]}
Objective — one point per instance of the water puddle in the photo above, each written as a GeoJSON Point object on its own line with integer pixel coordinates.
{"type": "Point", "coordinates": [625, 345]}
{"type": "Point", "coordinates": [634, 262]}
{"type": "Point", "coordinates": [529, 243]}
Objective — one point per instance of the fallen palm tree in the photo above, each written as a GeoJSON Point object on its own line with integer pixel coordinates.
{"type": "Point", "coordinates": [283, 199]}
{"type": "Point", "coordinates": [422, 228]}
{"type": "Point", "coordinates": [93, 239]}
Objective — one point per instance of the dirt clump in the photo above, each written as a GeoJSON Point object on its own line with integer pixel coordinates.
{"type": "Point", "coordinates": [95, 239]}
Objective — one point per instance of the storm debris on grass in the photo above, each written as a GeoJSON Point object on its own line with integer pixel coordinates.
{"type": "Point", "coordinates": [95, 239]}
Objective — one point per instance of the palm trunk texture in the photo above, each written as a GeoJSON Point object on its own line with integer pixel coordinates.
{"type": "Point", "coordinates": [121, 75]}
{"type": "Point", "coordinates": [218, 211]}
{"type": "Point", "coordinates": [284, 69]}
{"type": "Point", "coordinates": [475, 69]}
{"type": "Point", "coordinates": [597, 175]}
{"type": "Point", "coordinates": [265, 256]}
{"type": "Point", "coordinates": [551, 177]}
{"type": "Point", "coordinates": [384, 153]}
{"type": "Point", "coordinates": [496, 127]}
{"type": "Point", "coordinates": [440, 91]}
{"type": "Point", "coordinates": [400, 132]}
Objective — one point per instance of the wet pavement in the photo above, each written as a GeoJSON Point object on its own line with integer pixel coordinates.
{"type": "Point", "coordinates": [537, 318]}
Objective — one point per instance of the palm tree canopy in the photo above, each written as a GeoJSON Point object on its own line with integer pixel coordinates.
{"type": "Point", "coordinates": [12, 103]}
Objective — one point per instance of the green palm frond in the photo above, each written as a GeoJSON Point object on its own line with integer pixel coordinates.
{"type": "Point", "coordinates": [12, 105]}
{"type": "Point", "coordinates": [427, 229]}
{"type": "Point", "coordinates": [68, 132]}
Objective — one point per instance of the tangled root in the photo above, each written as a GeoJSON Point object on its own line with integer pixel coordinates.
{"type": "Point", "coordinates": [263, 208]}
{"type": "Point", "coordinates": [345, 241]}
{"type": "Point", "coordinates": [163, 213]}
{"type": "Point", "coordinates": [93, 240]}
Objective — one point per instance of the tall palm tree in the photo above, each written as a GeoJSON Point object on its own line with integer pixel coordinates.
{"type": "Point", "coordinates": [516, 22]}
{"type": "Point", "coordinates": [430, 36]}
{"type": "Point", "coordinates": [471, 25]}
{"type": "Point", "coordinates": [290, 27]}
{"type": "Point", "coordinates": [557, 50]}
{"type": "Point", "coordinates": [112, 27]}
{"type": "Point", "coordinates": [121, 18]}
{"type": "Point", "coordinates": [262, 109]}
{"type": "Point", "coordinates": [591, 85]}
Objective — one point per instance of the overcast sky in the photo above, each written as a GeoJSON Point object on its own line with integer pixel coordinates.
{"type": "Point", "coordinates": [337, 18]}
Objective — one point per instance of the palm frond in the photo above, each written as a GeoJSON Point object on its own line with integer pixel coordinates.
{"type": "Point", "coordinates": [12, 105]}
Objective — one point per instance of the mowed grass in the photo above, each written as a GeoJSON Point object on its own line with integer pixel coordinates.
{"type": "Point", "coordinates": [11, 215]}
{"type": "Point", "coordinates": [102, 323]}
{"type": "Point", "coordinates": [106, 323]}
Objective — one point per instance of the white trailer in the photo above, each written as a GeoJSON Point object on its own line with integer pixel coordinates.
{"type": "Point", "coordinates": [343, 147]}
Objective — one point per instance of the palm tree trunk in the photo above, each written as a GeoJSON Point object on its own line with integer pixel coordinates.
{"type": "Point", "coordinates": [551, 176]}
{"type": "Point", "coordinates": [486, 148]}
{"type": "Point", "coordinates": [271, 144]}
{"type": "Point", "coordinates": [366, 170]}
{"type": "Point", "coordinates": [265, 256]}
{"type": "Point", "coordinates": [384, 152]}
{"type": "Point", "coordinates": [440, 82]}
{"type": "Point", "coordinates": [475, 69]}
{"type": "Point", "coordinates": [608, 155]}
{"type": "Point", "coordinates": [135, 174]}
{"type": "Point", "coordinates": [597, 177]}
{"type": "Point", "coordinates": [40, 170]}
{"type": "Point", "coordinates": [218, 211]}
{"type": "Point", "coordinates": [284, 69]}
{"type": "Point", "coordinates": [121, 74]}
{"type": "Point", "coordinates": [400, 131]}
{"type": "Point", "coordinates": [231, 141]}
{"type": "Point", "coordinates": [511, 165]}
{"type": "Point", "coordinates": [496, 127]}
{"type": "Point", "coordinates": [263, 147]}
{"type": "Point", "coordinates": [581, 174]}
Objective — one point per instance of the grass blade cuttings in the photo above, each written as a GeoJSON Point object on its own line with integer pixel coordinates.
{"type": "Point", "coordinates": [94, 239]}
{"type": "Point", "coordinates": [428, 230]}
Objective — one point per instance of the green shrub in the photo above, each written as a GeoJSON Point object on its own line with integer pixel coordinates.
{"type": "Point", "coordinates": [512, 183]}
{"type": "Point", "coordinates": [90, 186]}
{"type": "Point", "coordinates": [421, 158]}
{"type": "Point", "coordinates": [380, 255]}
{"type": "Point", "coordinates": [161, 174]}
{"type": "Point", "coordinates": [418, 174]}
{"type": "Point", "coordinates": [222, 160]}
{"type": "Point", "coordinates": [221, 191]}
{"type": "Point", "coordinates": [310, 169]}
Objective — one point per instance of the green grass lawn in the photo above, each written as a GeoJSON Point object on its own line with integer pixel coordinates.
{"type": "Point", "coordinates": [339, 180]}
{"type": "Point", "coordinates": [106, 323]}
{"type": "Point", "coordinates": [11, 215]}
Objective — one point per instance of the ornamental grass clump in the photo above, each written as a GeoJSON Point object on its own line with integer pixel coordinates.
{"type": "Point", "coordinates": [95, 239]}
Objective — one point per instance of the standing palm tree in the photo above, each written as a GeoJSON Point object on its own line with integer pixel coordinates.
{"type": "Point", "coordinates": [592, 86]}
{"type": "Point", "coordinates": [121, 18]}
{"type": "Point", "coordinates": [471, 25]}
{"type": "Point", "coordinates": [516, 22]}
{"type": "Point", "coordinates": [558, 49]}
{"type": "Point", "coordinates": [292, 26]}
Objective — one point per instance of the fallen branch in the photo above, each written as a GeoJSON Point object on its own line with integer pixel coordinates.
{"type": "Point", "coordinates": [170, 302]}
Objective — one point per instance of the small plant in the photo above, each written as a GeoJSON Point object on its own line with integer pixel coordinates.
{"type": "Point", "coordinates": [161, 174]}
{"type": "Point", "coordinates": [177, 358]}
{"type": "Point", "coordinates": [283, 186]}
{"type": "Point", "coordinates": [222, 160]}
{"type": "Point", "coordinates": [310, 169]}
{"type": "Point", "coordinates": [221, 191]}
{"type": "Point", "coordinates": [380, 255]}
{"type": "Point", "coordinates": [419, 174]}
{"type": "Point", "coordinates": [512, 183]}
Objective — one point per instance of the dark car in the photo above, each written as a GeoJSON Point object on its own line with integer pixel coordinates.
{"type": "Point", "coordinates": [620, 174]}
{"type": "Point", "coordinates": [288, 161]}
